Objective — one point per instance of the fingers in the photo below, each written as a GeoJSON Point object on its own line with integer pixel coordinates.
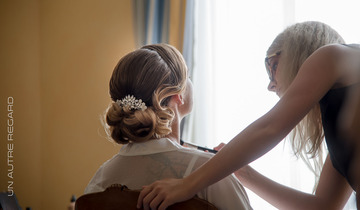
{"type": "Point", "coordinates": [165, 204]}
{"type": "Point", "coordinates": [150, 198]}
{"type": "Point", "coordinates": [219, 147]}
{"type": "Point", "coordinates": [143, 193]}
{"type": "Point", "coordinates": [160, 194]}
{"type": "Point", "coordinates": [156, 201]}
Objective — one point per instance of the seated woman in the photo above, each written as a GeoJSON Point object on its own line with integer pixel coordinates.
{"type": "Point", "coordinates": [151, 94]}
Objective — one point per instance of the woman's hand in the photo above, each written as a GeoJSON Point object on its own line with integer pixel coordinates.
{"type": "Point", "coordinates": [219, 147]}
{"type": "Point", "coordinates": [163, 193]}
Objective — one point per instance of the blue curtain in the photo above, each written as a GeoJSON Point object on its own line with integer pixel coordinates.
{"type": "Point", "coordinates": [151, 21]}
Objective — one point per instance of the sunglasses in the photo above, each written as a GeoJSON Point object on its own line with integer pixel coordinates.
{"type": "Point", "coordinates": [271, 69]}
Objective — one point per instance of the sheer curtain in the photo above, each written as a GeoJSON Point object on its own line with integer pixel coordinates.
{"type": "Point", "coordinates": [201, 122]}
{"type": "Point", "coordinates": [230, 82]}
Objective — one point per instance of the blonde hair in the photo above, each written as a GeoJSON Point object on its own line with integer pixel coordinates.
{"type": "Point", "coordinates": [152, 73]}
{"type": "Point", "coordinates": [297, 43]}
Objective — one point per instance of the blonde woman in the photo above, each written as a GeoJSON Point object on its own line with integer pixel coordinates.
{"type": "Point", "coordinates": [151, 94]}
{"type": "Point", "coordinates": [311, 70]}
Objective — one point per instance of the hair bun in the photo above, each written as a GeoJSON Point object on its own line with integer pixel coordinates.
{"type": "Point", "coordinates": [137, 125]}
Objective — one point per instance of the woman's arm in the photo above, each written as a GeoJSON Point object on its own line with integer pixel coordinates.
{"type": "Point", "coordinates": [316, 76]}
{"type": "Point", "coordinates": [332, 192]}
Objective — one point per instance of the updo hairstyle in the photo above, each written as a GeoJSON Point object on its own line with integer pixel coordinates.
{"type": "Point", "coordinates": [153, 74]}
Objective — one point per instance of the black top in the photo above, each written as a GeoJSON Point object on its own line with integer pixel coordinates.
{"type": "Point", "coordinates": [339, 147]}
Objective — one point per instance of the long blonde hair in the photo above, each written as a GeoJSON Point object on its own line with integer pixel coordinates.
{"type": "Point", "coordinates": [152, 73]}
{"type": "Point", "coordinates": [297, 43]}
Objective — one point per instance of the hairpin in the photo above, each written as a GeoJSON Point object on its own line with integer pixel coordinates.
{"type": "Point", "coordinates": [131, 103]}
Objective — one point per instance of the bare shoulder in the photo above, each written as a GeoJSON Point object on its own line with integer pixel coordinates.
{"type": "Point", "coordinates": [322, 65]}
{"type": "Point", "coordinates": [338, 51]}
{"type": "Point", "coordinates": [341, 60]}
{"type": "Point", "coordinates": [331, 51]}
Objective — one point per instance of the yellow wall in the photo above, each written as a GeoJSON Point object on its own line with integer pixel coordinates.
{"type": "Point", "coordinates": [81, 41]}
{"type": "Point", "coordinates": [20, 79]}
{"type": "Point", "coordinates": [56, 60]}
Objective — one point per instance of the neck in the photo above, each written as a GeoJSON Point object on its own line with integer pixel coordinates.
{"type": "Point", "coordinates": [175, 126]}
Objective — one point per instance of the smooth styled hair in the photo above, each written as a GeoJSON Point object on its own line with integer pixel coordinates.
{"type": "Point", "coordinates": [153, 74]}
{"type": "Point", "coordinates": [297, 43]}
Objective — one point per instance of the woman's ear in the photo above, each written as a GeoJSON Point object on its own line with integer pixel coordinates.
{"type": "Point", "coordinates": [178, 99]}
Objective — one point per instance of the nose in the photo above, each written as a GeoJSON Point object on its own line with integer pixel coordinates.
{"type": "Point", "coordinates": [272, 86]}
